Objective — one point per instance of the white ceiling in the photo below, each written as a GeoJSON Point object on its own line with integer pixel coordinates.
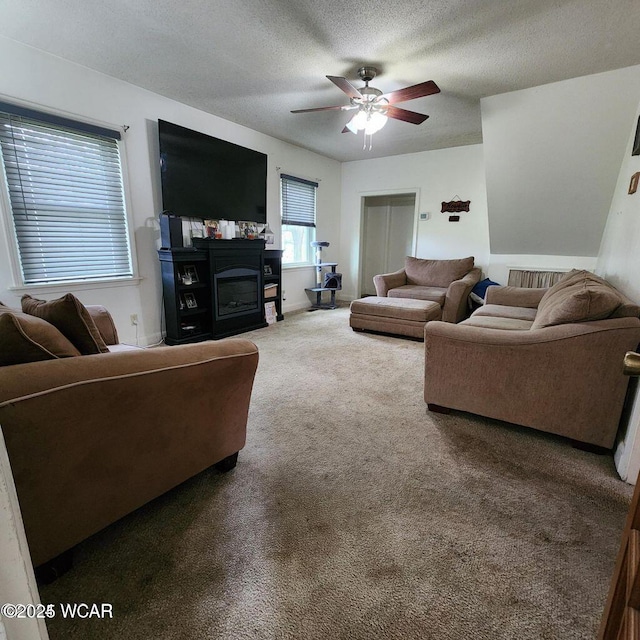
{"type": "Point", "coordinates": [252, 61]}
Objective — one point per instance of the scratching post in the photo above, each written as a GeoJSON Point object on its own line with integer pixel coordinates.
{"type": "Point", "coordinates": [325, 281]}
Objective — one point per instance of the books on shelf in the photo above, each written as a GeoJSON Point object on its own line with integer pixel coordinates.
{"type": "Point", "coordinates": [270, 312]}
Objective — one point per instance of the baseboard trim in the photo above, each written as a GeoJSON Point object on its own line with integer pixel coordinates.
{"type": "Point", "coordinates": [300, 306]}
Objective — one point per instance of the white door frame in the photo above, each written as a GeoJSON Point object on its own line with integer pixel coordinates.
{"type": "Point", "coordinates": [17, 581]}
{"type": "Point", "coordinates": [415, 191]}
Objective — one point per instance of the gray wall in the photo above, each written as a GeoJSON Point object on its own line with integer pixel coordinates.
{"type": "Point", "coordinates": [552, 155]}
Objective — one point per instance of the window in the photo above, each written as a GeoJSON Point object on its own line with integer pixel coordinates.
{"type": "Point", "coordinates": [64, 180]}
{"type": "Point", "coordinates": [298, 219]}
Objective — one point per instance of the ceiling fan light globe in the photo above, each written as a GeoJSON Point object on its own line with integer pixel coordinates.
{"type": "Point", "coordinates": [351, 127]}
{"type": "Point", "coordinates": [375, 122]}
{"type": "Point", "coordinates": [359, 121]}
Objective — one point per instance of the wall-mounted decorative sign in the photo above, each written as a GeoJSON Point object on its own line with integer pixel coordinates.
{"type": "Point", "coordinates": [633, 185]}
{"type": "Point", "coordinates": [455, 206]}
{"type": "Point", "coordinates": [636, 141]}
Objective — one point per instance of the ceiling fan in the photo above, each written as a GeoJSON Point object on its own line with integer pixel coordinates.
{"type": "Point", "coordinates": [373, 106]}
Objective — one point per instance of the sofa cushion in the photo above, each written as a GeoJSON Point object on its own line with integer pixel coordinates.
{"type": "Point", "coordinates": [436, 273]}
{"type": "Point", "coordinates": [627, 308]}
{"type": "Point", "coordinates": [504, 311]}
{"type": "Point", "coordinates": [71, 318]}
{"type": "Point", "coordinates": [581, 300]}
{"type": "Point", "coordinates": [24, 338]}
{"type": "Point", "coordinates": [104, 323]}
{"type": "Point", "coordinates": [492, 322]}
{"type": "Point", "coordinates": [434, 294]}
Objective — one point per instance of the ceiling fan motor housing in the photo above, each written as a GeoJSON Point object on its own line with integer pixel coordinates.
{"type": "Point", "coordinates": [367, 73]}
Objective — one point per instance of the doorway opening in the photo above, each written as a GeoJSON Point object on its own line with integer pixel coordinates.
{"type": "Point", "coordinates": [388, 236]}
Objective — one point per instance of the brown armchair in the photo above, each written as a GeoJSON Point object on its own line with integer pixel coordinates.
{"type": "Point", "coordinates": [91, 438]}
{"type": "Point", "coordinates": [447, 282]}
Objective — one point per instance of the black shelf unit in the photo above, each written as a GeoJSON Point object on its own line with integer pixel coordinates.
{"type": "Point", "coordinates": [272, 267]}
{"type": "Point", "coordinates": [184, 322]}
{"type": "Point", "coordinates": [213, 262]}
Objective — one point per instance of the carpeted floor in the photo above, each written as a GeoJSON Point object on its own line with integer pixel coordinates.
{"type": "Point", "coordinates": [356, 514]}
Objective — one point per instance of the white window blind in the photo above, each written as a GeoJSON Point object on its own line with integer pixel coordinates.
{"type": "Point", "coordinates": [298, 201]}
{"type": "Point", "coordinates": [66, 193]}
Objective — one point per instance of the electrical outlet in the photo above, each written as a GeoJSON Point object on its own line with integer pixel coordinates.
{"type": "Point", "coordinates": [134, 319]}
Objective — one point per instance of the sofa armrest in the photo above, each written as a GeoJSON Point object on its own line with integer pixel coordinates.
{"type": "Point", "coordinates": [455, 302]}
{"type": "Point", "coordinates": [386, 281]}
{"type": "Point", "coordinates": [566, 379]}
{"type": "Point", "coordinates": [92, 438]}
{"type": "Point", "coordinates": [515, 296]}
{"type": "Point", "coordinates": [104, 322]}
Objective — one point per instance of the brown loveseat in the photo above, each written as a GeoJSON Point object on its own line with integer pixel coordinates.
{"type": "Point", "coordinates": [447, 282]}
{"type": "Point", "coordinates": [92, 438]}
{"type": "Point", "coordinates": [550, 359]}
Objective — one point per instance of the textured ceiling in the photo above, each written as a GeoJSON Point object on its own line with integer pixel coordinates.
{"type": "Point", "coordinates": [252, 61]}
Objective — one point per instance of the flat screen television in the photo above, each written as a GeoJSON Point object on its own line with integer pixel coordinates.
{"type": "Point", "coordinates": [210, 179]}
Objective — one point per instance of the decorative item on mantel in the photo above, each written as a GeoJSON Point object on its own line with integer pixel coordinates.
{"type": "Point", "coordinates": [267, 234]}
{"type": "Point", "coordinates": [455, 206]}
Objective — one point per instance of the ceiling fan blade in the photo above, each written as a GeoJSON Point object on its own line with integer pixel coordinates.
{"type": "Point", "coordinates": [344, 85]}
{"type": "Point", "coordinates": [405, 115]}
{"type": "Point", "coordinates": [411, 93]}
{"type": "Point", "coordinates": [345, 107]}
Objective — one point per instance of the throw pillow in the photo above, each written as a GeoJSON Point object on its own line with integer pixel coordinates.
{"type": "Point", "coordinates": [568, 279]}
{"type": "Point", "coordinates": [436, 273]}
{"type": "Point", "coordinates": [581, 301]}
{"type": "Point", "coordinates": [24, 338]}
{"type": "Point", "coordinates": [71, 318]}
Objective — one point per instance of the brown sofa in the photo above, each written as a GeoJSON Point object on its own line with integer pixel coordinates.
{"type": "Point", "coordinates": [92, 438]}
{"type": "Point", "coordinates": [550, 359]}
{"type": "Point", "coordinates": [447, 282]}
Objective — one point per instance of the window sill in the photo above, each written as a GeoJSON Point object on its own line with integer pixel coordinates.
{"type": "Point", "coordinates": [298, 265]}
{"type": "Point", "coordinates": [77, 285]}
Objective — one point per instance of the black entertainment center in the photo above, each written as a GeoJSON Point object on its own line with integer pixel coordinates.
{"type": "Point", "coordinates": [226, 296]}
{"type": "Point", "coordinates": [218, 287]}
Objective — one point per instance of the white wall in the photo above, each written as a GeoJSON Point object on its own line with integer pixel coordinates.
{"type": "Point", "coordinates": [619, 263]}
{"type": "Point", "coordinates": [39, 80]}
{"type": "Point", "coordinates": [552, 155]}
{"type": "Point", "coordinates": [436, 176]}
